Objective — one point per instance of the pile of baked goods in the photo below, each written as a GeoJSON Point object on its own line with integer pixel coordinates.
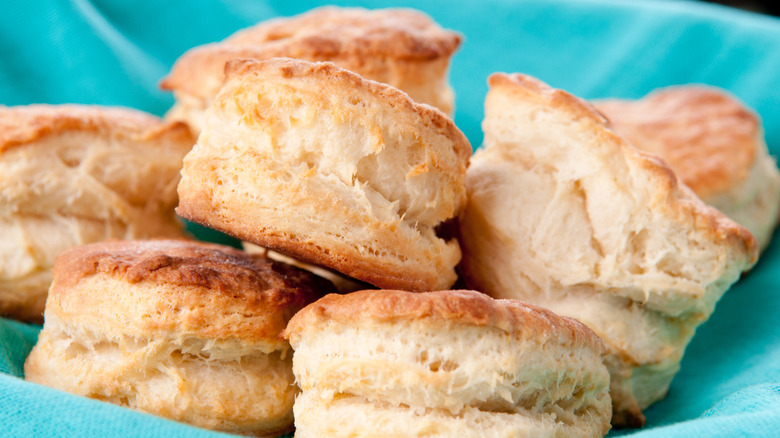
{"type": "Point", "coordinates": [593, 239]}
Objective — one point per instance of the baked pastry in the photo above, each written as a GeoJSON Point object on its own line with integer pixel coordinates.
{"type": "Point", "coordinates": [442, 364]}
{"type": "Point", "coordinates": [184, 330]}
{"type": "Point", "coordinates": [713, 143]}
{"type": "Point", "coordinates": [332, 169]}
{"type": "Point", "coordinates": [78, 174]}
{"type": "Point", "coordinates": [400, 47]}
{"type": "Point", "coordinates": [565, 214]}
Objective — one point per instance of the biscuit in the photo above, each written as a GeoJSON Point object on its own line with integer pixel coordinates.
{"type": "Point", "coordinates": [79, 174]}
{"type": "Point", "coordinates": [565, 214]}
{"type": "Point", "coordinates": [714, 144]}
{"type": "Point", "coordinates": [439, 364]}
{"type": "Point", "coordinates": [332, 169]}
{"type": "Point", "coordinates": [400, 47]}
{"type": "Point", "coordinates": [184, 330]}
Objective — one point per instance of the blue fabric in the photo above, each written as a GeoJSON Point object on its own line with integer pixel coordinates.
{"type": "Point", "coordinates": [115, 53]}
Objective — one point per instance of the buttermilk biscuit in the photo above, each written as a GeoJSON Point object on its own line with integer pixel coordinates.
{"type": "Point", "coordinates": [332, 169]}
{"type": "Point", "coordinates": [442, 364]}
{"type": "Point", "coordinates": [400, 47]}
{"type": "Point", "coordinates": [184, 330]}
{"type": "Point", "coordinates": [713, 143]}
{"type": "Point", "coordinates": [78, 174]}
{"type": "Point", "coordinates": [564, 213]}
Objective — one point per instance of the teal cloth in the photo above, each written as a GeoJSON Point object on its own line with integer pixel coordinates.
{"type": "Point", "coordinates": [115, 53]}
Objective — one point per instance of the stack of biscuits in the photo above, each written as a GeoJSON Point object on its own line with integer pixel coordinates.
{"type": "Point", "coordinates": [325, 143]}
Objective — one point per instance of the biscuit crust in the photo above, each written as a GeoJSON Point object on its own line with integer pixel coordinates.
{"type": "Point", "coordinates": [705, 135]}
{"type": "Point", "coordinates": [462, 307]}
{"type": "Point", "coordinates": [240, 296]}
{"type": "Point", "coordinates": [24, 125]}
{"type": "Point", "coordinates": [714, 144]}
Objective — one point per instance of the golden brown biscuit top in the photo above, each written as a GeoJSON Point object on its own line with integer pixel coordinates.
{"type": "Point", "coordinates": [25, 124]}
{"type": "Point", "coordinates": [321, 34]}
{"type": "Point", "coordinates": [244, 296]}
{"type": "Point", "coordinates": [463, 307]}
{"type": "Point", "coordinates": [707, 136]}
{"type": "Point", "coordinates": [537, 91]}
{"type": "Point", "coordinates": [402, 33]}
{"type": "Point", "coordinates": [187, 263]}
{"type": "Point", "coordinates": [678, 200]}
{"type": "Point", "coordinates": [321, 74]}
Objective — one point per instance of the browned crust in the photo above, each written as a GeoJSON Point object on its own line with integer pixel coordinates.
{"type": "Point", "coordinates": [251, 285]}
{"type": "Point", "coordinates": [537, 91]}
{"type": "Point", "coordinates": [706, 135]}
{"type": "Point", "coordinates": [464, 307]}
{"type": "Point", "coordinates": [402, 33]}
{"type": "Point", "coordinates": [26, 124]}
{"type": "Point", "coordinates": [323, 33]}
{"type": "Point", "coordinates": [199, 209]}
{"type": "Point", "coordinates": [327, 72]}
{"type": "Point", "coordinates": [685, 207]}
